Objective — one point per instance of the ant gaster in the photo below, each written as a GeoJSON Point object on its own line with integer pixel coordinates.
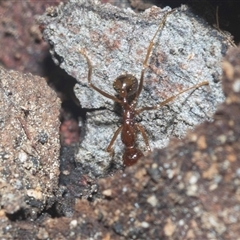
{"type": "Point", "coordinates": [128, 91]}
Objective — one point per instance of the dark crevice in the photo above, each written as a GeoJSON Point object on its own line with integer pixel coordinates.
{"type": "Point", "coordinates": [53, 211]}
{"type": "Point", "coordinates": [227, 12]}
{"type": "Point", "coordinates": [19, 215]}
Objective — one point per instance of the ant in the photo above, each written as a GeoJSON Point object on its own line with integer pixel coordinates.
{"type": "Point", "coordinates": [128, 91]}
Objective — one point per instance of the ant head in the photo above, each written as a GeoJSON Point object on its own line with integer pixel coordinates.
{"type": "Point", "coordinates": [125, 85]}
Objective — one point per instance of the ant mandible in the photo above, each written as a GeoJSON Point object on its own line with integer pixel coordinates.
{"type": "Point", "coordinates": [128, 91]}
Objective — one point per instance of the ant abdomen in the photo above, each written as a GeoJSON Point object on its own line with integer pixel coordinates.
{"type": "Point", "coordinates": [131, 156]}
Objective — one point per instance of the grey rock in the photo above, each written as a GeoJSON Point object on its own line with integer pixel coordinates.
{"type": "Point", "coordinates": [186, 51]}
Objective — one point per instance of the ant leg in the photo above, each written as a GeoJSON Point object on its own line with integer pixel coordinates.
{"type": "Point", "coordinates": [91, 84]}
{"type": "Point", "coordinates": [149, 50]}
{"type": "Point", "coordinates": [171, 98]}
{"type": "Point", "coordinates": [145, 137]}
{"type": "Point", "coordinates": [109, 148]}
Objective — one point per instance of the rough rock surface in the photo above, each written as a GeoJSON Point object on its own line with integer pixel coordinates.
{"type": "Point", "coordinates": [187, 51]}
{"type": "Point", "coordinates": [189, 190]}
{"type": "Point", "coordinates": [29, 145]}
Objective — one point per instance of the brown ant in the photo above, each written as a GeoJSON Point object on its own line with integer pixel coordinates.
{"type": "Point", "coordinates": [128, 91]}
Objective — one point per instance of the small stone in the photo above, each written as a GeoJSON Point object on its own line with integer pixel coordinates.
{"type": "Point", "coordinates": [193, 179]}
{"type": "Point", "coordinates": [236, 86]}
{"type": "Point", "coordinates": [213, 187]}
{"type": "Point", "coordinates": [192, 190]}
{"type": "Point", "coordinates": [169, 228]}
{"type": "Point", "coordinates": [22, 157]}
{"type": "Point", "coordinates": [190, 234]}
{"type": "Point", "coordinates": [42, 234]}
{"type": "Point", "coordinates": [211, 172]}
{"type": "Point", "coordinates": [201, 142]}
{"type": "Point", "coordinates": [181, 222]}
{"type": "Point", "coordinates": [154, 166]}
{"type": "Point", "coordinates": [140, 174]}
{"type": "Point", "coordinates": [232, 157]}
{"type": "Point", "coordinates": [73, 223]}
{"type": "Point", "coordinates": [152, 200]}
{"type": "Point", "coordinates": [145, 224]}
{"type": "Point", "coordinates": [228, 70]}
{"type": "Point", "coordinates": [107, 192]}
{"type": "Point", "coordinates": [222, 138]}
{"type": "Point", "coordinates": [34, 193]}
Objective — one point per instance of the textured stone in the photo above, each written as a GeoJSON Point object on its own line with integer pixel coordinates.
{"type": "Point", "coordinates": [29, 143]}
{"type": "Point", "coordinates": [186, 51]}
